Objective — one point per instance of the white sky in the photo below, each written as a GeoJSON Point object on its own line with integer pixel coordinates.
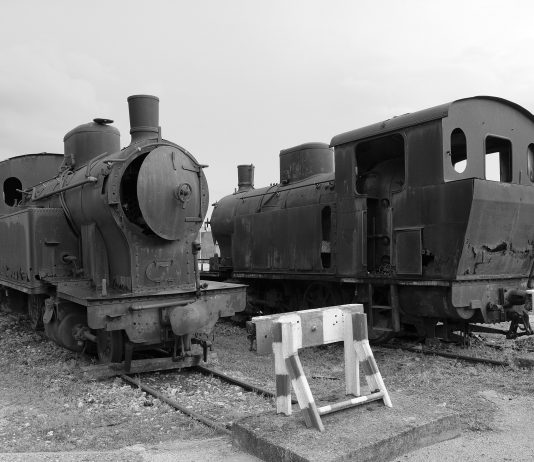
{"type": "Point", "coordinates": [239, 80]}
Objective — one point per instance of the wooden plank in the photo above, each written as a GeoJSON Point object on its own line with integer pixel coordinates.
{"type": "Point", "coordinates": [312, 326]}
{"type": "Point", "coordinates": [323, 410]}
{"type": "Point", "coordinates": [352, 365]}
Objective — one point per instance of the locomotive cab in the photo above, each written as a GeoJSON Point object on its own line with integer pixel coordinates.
{"type": "Point", "coordinates": [452, 218]}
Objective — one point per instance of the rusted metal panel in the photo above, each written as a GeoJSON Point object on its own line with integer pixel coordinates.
{"type": "Point", "coordinates": [301, 162]}
{"type": "Point", "coordinates": [499, 237]}
{"type": "Point", "coordinates": [393, 124]}
{"type": "Point", "coordinates": [408, 251]}
{"type": "Point", "coordinates": [442, 212]}
{"type": "Point", "coordinates": [280, 240]}
{"type": "Point", "coordinates": [143, 317]}
{"type": "Point", "coordinates": [22, 172]}
{"type": "Point", "coordinates": [89, 140]}
{"type": "Point", "coordinates": [168, 193]}
{"type": "Point", "coordinates": [34, 245]}
{"type": "Point", "coordinates": [478, 118]}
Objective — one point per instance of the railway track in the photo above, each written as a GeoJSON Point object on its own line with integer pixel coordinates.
{"type": "Point", "coordinates": [220, 422]}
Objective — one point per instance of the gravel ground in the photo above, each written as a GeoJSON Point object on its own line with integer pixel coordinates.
{"type": "Point", "coordinates": [45, 405]}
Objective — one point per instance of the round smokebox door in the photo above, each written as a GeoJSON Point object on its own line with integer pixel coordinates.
{"type": "Point", "coordinates": [168, 192]}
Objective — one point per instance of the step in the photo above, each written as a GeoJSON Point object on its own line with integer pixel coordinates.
{"type": "Point", "coordinates": [382, 329]}
{"type": "Point", "coordinates": [381, 307]}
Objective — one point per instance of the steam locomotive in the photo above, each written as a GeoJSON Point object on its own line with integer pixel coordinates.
{"type": "Point", "coordinates": [98, 244]}
{"type": "Point", "coordinates": [426, 218]}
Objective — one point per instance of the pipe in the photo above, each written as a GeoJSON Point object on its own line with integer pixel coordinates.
{"type": "Point", "coordinates": [90, 179]}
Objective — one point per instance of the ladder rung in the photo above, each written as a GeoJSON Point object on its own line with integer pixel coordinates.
{"type": "Point", "coordinates": [382, 329]}
{"type": "Point", "coordinates": [381, 307]}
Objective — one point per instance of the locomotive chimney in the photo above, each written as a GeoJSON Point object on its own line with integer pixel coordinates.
{"type": "Point", "coordinates": [245, 177]}
{"type": "Point", "coordinates": [144, 117]}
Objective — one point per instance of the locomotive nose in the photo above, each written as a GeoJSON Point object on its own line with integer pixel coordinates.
{"type": "Point", "coordinates": [171, 191]}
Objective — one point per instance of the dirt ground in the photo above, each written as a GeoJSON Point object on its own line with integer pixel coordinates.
{"type": "Point", "coordinates": [47, 407]}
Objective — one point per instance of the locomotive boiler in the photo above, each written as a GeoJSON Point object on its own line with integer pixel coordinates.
{"type": "Point", "coordinates": [99, 244]}
{"type": "Point", "coordinates": [425, 218]}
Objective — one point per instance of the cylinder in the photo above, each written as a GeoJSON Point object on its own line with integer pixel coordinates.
{"type": "Point", "coordinates": [245, 177]}
{"type": "Point", "coordinates": [304, 161]}
{"type": "Point", "coordinates": [144, 117]}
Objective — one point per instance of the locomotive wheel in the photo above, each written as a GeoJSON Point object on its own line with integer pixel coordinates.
{"type": "Point", "coordinates": [109, 346]}
{"type": "Point", "coordinates": [65, 328]}
{"type": "Point", "coordinates": [319, 294]}
{"type": "Point", "coordinates": [36, 311]}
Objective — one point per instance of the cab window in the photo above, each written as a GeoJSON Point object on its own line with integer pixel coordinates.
{"type": "Point", "coordinates": [498, 159]}
{"type": "Point", "coordinates": [12, 194]}
{"type": "Point", "coordinates": [458, 150]}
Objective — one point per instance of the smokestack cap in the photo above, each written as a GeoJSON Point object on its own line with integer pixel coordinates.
{"type": "Point", "coordinates": [144, 116]}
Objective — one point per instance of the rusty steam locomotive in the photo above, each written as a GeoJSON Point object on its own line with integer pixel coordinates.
{"type": "Point", "coordinates": [99, 244]}
{"type": "Point", "coordinates": [426, 218]}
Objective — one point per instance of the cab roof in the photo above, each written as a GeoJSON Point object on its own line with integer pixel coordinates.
{"type": "Point", "coordinates": [415, 118]}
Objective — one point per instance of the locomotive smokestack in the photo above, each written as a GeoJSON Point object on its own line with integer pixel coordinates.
{"type": "Point", "coordinates": [245, 177]}
{"type": "Point", "coordinates": [144, 117]}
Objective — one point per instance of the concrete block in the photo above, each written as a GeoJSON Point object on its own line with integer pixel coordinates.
{"type": "Point", "coordinates": [365, 433]}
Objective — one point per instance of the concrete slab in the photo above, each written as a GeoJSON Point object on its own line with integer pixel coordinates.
{"type": "Point", "coordinates": [365, 433]}
{"type": "Point", "coordinates": [217, 449]}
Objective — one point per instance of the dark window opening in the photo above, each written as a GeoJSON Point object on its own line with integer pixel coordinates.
{"type": "Point", "coordinates": [326, 251]}
{"type": "Point", "coordinates": [530, 162]}
{"type": "Point", "coordinates": [129, 199]}
{"type": "Point", "coordinates": [458, 150]}
{"type": "Point", "coordinates": [12, 194]}
{"type": "Point", "coordinates": [380, 175]}
{"type": "Point", "coordinates": [498, 159]}
{"type": "Point", "coordinates": [376, 158]}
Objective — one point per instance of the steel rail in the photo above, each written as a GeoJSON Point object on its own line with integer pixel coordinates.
{"type": "Point", "coordinates": [246, 386]}
{"type": "Point", "coordinates": [473, 359]}
{"type": "Point", "coordinates": [193, 414]}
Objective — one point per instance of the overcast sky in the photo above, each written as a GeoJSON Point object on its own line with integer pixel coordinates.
{"type": "Point", "coordinates": [239, 80]}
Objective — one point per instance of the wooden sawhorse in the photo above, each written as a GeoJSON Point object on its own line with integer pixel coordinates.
{"type": "Point", "coordinates": [288, 332]}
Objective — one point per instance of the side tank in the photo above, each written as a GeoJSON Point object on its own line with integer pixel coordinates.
{"type": "Point", "coordinates": [254, 228]}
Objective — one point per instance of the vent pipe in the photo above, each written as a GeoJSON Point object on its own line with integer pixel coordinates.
{"type": "Point", "coordinates": [245, 177]}
{"type": "Point", "coordinates": [144, 117]}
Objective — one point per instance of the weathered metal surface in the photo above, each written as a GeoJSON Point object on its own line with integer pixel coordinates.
{"type": "Point", "coordinates": [90, 140]}
{"type": "Point", "coordinates": [33, 246]}
{"type": "Point", "coordinates": [144, 117]}
{"type": "Point", "coordinates": [499, 238]}
{"type": "Point", "coordinates": [402, 212]}
{"type": "Point", "coordinates": [245, 177]}
{"type": "Point", "coordinates": [262, 246]}
{"type": "Point", "coordinates": [301, 162]}
{"type": "Point", "coordinates": [110, 245]}
{"type": "Point", "coordinates": [22, 172]}
{"type": "Point", "coordinates": [143, 316]}
{"type": "Point", "coordinates": [169, 190]}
